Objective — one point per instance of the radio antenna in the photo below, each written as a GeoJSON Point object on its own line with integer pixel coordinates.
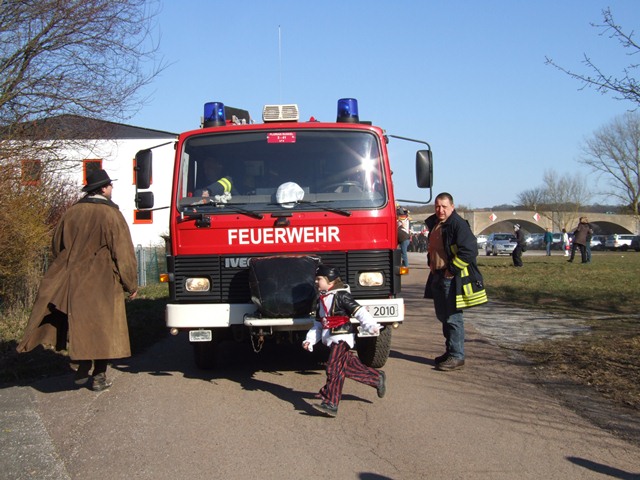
{"type": "Point", "coordinates": [280, 60]}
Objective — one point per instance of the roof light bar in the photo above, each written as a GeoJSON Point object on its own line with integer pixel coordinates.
{"type": "Point", "coordinates": [347, 110]}
{"type": "Point", "coordinates": [214, 115]}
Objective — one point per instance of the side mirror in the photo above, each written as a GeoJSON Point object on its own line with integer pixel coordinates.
{"type": "Point", "coordinates": [424, 168]}
{"type": "Point", "coordinates": [143, 169]}
{"type": "Point", "coordinates": [144, 200]}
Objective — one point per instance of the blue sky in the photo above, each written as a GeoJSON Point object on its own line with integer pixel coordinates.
{"type": "Point", "coordinates": [467, 77]}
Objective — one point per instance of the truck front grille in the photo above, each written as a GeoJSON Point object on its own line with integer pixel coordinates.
{"type": "Point", "coordinates": [230, 279]}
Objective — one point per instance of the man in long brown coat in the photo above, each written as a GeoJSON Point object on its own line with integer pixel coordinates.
{"type": "Point", "coordinates": [80, 303]}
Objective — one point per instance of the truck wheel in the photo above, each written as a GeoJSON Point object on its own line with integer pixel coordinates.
{"type": "Point", "coordinates": [205, 354]}
{"type": "Point", "coordinates": [374, 351]}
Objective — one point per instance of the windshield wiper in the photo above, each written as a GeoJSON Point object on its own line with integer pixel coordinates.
{"type": "Point", "coordinates": [221, 205]}
{"type": "Point", "coordinates": [339, 211]}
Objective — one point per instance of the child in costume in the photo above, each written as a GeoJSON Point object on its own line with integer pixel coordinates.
{"type": "Point", "coordinates": [333, 326]}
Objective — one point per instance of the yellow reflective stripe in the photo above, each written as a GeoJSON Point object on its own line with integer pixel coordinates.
{"type": "Point", "coordinates": [226, 184]}
{"type": "Point", "coordinates": [456, 261]}
{"type": "Point", "coordinates": [459, 263]}
{"type": "Point", "coordinates": [478, 298]}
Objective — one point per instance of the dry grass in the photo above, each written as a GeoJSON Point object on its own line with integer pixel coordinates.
{"type": "Point", "coordinates": [606, 293]}
{"type": "Point", "coordinates": [608, 284]}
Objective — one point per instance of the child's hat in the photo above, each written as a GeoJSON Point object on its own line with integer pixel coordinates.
{"type": "Point", "coordinates": [327, 271]}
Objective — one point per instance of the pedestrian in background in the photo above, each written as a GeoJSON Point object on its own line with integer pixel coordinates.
{"type": "Point", "coordinates": [333, 327]}
{"type": "Point", "coordinates": [565, 242]}
{"type": "Point", "coordinates": [521, 246]}
{"type": "Point", "coordinates": [454, 280]}
{"type": "Point", "coordinates": [580, 235]}
{"type": "Point", "coordinates": [404, 236]}
{"type": "Point", "coordinates": [80, 303]}
{"type": "Point", "coordinates": [548, 241]}
{"type": "Point", "coordinates": [588, 244]}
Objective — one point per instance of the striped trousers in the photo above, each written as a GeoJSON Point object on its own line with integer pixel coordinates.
{"type": "Point", "coordinates": [342, 363]}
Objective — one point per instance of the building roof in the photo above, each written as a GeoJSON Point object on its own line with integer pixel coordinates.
{"type": "Point", "coordinates": [76, 127]}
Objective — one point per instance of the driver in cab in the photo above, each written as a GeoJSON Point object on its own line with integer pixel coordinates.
{"type": "Point", "coordinates": [215, 183]}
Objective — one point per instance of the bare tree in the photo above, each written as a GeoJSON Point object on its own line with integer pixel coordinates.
{"type": "Point", "coordinates": [69, 59]}
{"type": "Point", "coordinates": [568, 190]}
{"type": "Point", "coordinates": [87, 57]}
{"type": "Point", "coordinates": [77, 57]}
{"type": "Point", "coordinates": [532, 198]}
{"type": "Point", "coordinates": [624, 86]}
{"type": "Point", "coordinates": [614, 153]}
{"type": "Point", "coordinates": [560, 198]}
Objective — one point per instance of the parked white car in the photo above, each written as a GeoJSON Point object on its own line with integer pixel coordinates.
{"type": "Point", "coordinates": [618, 242]}
{"type": "Point", "coordinates": [500, 243]}
{"type": "Point", "coordinates": [482, 241]}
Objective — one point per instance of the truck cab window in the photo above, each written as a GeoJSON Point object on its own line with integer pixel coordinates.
{"type": "Point", "coordinates": [342, 168]}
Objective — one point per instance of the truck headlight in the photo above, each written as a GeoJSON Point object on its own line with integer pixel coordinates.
{"type": "Point", "coordinates": [197, 284]}
{"type": "Point", "coordinates": [371, 279]}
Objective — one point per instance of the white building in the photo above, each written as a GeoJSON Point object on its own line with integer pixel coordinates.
{"type": "Point", "coordinates": [112, 147]}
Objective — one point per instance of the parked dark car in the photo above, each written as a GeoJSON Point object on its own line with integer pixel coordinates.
{"type": "Point", "coordinates": [635, 243]}
{"type": "Point", "coordinates": [557, 241]}
{"type": "Point", "coordinates": [597, 242]}
{"type": "Point", "coordinates": [535, 241]}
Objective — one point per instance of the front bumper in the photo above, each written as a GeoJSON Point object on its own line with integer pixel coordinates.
{"type": "Point", "coordinates": [208, 315]}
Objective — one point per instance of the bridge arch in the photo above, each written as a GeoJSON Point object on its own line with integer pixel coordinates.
{"type": "Point", "coordinates": [487, 221]}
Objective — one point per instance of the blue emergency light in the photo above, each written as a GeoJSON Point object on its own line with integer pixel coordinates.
{"type": "Point", "coordinates": [214, 114]}
{"type": "Point", "coordinates": [348, 110]}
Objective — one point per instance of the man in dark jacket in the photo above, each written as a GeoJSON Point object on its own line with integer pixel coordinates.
{"type": "Point", "coordinates": [521, 245]}
{"type": "Point", "coordinates": [581, 236]}
{"type": "Point", "coordinates": [454, 280]}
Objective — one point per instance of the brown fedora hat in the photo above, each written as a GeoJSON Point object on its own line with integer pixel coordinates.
{"type": "Point", "coordinates": [97, 179]}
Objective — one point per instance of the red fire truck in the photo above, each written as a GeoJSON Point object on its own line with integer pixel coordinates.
{"type": "Point", "coordinates": [255, 207]}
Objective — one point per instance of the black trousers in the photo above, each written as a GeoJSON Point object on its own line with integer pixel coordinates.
{"type": "Point", "coordinates": [583, 252]}
{"type": "Point", "coordinates": [99, 366]}
{"type": "Point", "coordinates": [517, 256]}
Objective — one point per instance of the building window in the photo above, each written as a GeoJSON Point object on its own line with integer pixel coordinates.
{"type": "Point", "coordinates": [142, 216]}
{"type": "Point", "coordinates": [89, 166]}
{"type": "Point", "coordinates": [31, 172]}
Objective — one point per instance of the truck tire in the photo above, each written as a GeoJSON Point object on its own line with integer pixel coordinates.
{"type": "Point", "coordinates": [374, 351]}
{"type": "Point", "coordinates": [205, 354]}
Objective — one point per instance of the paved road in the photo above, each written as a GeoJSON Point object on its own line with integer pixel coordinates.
{"type": "Point", "coordinates": [252, 418]}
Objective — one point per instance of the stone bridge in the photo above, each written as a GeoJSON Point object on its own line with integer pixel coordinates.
{"type": "Point", "coordinates": [489, 221]}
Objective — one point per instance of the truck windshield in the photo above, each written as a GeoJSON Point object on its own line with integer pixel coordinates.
{"type": "Point", "coordinates": [282, 170]}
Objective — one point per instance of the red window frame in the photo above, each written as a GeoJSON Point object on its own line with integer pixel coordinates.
{"type": "Point", "coordinates": [142, 216]}
{"type": "Point", "coordinates": [31, 172]}
{"type": "Point", "coordinates": [88, 165]}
